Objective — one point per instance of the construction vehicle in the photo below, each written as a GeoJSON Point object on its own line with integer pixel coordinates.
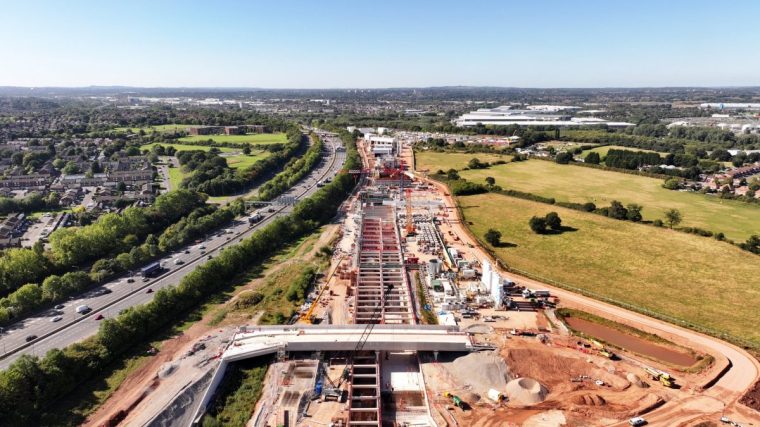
{"type": "Point", "coordinates": [456, 400]}
{"type": "Point", "coordinates": [663, 377]}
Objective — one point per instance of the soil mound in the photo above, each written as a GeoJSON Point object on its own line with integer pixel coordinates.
{"type": "Point", "coordinates": [635, 380]}
{"type": "Point", "coordinates": [589, 400]}
{"type": "Point", "coordinates": [526, 391]}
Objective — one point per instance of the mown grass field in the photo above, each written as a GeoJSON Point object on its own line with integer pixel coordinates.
{"type": "Point", "coordinates": [602, 151]}
{"type": "Point", "coordinates": [433, 160]}
{"type": "Point", "coordinates": [257, 138]}
{"type": "Point", "coordinates": [738, 220]}
{"type": "Point", "coordinates": [697, 279]}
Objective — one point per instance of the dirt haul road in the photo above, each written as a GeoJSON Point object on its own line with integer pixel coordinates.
{"type": "Point", "coordinates": [721, 398]}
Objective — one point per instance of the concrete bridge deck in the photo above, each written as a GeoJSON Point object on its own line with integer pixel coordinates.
{"type": "Point", "coordinates": [263, 340]}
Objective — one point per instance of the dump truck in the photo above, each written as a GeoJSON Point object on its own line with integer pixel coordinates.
{"type": "Point", "coordinates": [663, 377]}
{"type": "Point", "coordinates": [456, 400]}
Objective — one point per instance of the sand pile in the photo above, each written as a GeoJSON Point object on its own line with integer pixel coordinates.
{"type": "Point", "coordinates": [526, 391]}
{"type": "Point", "coordinates": [480, 371]}
{"type": "Point", "coordinates": [635, 380]}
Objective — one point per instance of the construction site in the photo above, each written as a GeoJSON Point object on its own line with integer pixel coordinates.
{"type": "Point", "coordinates": [413, 324]}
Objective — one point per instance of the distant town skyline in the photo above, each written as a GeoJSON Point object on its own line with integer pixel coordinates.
{"type": "Point", "coordinates": [342, 44]}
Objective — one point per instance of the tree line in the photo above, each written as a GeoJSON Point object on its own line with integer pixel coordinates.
{"type": "Point", "coordinates": [293, 172]}
{"type": "Point", "coordinates": [31, 385]}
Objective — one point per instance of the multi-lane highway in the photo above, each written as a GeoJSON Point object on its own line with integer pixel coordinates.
{"type": "Point", "coordinates": [58, 328]}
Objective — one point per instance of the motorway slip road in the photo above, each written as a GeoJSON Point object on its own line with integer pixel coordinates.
{"type": "Point", "coordinates": [120, 294]}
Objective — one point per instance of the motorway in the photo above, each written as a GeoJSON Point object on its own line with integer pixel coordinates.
{"type": "Point", "coordinates": [112, 297]}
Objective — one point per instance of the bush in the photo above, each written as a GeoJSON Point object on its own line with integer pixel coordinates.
{"type": "Point", "coordinates": [538, 225]}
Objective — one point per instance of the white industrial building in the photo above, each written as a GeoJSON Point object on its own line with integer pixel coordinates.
{"type": "Point", "coordinates": [382, 145]}
{"type": "Point", "coordinates": [731, 105]}
{"type": "Point", "coordinates": [541, 115]}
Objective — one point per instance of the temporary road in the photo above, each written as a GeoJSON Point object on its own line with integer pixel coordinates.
{"type": "Point", "coordinates": [113, 297]}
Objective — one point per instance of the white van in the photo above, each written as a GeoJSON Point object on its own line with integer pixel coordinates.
{"type": "Point", "coordinates": [83, 309]}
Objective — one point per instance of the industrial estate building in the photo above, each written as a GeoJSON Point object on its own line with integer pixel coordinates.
{"type": "Point", "coordinates": [543, 115]}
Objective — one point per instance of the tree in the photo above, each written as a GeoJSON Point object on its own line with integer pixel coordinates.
{"type": "Point", "coordinates": [70, 168]}
{"type": "Point", "coordinates": [553, 221]}
{"type": "Point", "coordinates": [490, 180]}
{"type": "Point", "coordinates": [634, 212]}
{"type": "Point", "coordinates": [493, 237]}
{"type": "Point", "coordinates": [247, 150]}
{"type": "Point", "coordinates": [752, 244]}
{"type": "Point", "coordinates": [672, 183]}
{"type": "Point", "coordinates": [475, 163]}
{"type": "Point", "coordinates": [617, 211]}
{"type": "Point", "coordinates": [673, 217]}
{"type": "Point", "coordinates": [563, 158]}
{"type": "Point", "coordinates": [592, 158]}
{"type": "Point", "coordinates": [538, 225]}
{"type": "Point", "coordinates": [452, 174]}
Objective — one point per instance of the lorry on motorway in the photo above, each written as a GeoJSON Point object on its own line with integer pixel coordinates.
{"type": "Point", "coordinates": [151, 270]}
{"type": "Point", "coordinates": [256, 217]}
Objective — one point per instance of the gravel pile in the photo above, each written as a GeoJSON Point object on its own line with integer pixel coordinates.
{"type": "Point", "coordinates": [480, 371]}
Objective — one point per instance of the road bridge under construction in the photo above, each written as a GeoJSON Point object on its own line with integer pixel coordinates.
{"type": "Point", "coordinates": [259, 341]}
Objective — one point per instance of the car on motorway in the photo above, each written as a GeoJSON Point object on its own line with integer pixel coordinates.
{"type": "Point", "coordinates": [149, 291]}
{"type": "Point", "coordinates": [83, 309]}
{"type": "Point", "coordinates": [146, 279]}
{"type": "Point", "coordinates": [30, 338]}
{"type": "Point", "coordinates": [209, 257]}
{"type": "Point", "coordinates": [202, 247]}
{"type": "Point", "coordinates": [187, 251]}
{"type": "Point", "coordinates": [59, 307]}
{"type": "Point", "coordinates": [56, 319]}
{"type": "Point", "coordinates": [178, 261]}
{"type": "Point", "coordinates": [99, 317]}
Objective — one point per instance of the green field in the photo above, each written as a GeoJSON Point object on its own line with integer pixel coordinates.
{"type": "Point", "coordinates": [157, 128]}
{"type": "Point", "coordinates": [434, 160]}
{"type": "Point", "coordinates": [602, 151]}
{"type": "Point", "coordinates": [566, 145]}
{"type": "Point", "coordinates": [235, 158]}
{"type": "Point", "coordinates": [256, 138]}
{"type": "Point", "coordinates": [738, 220]}
{"type": "Point", "coordinates": [190, 147]}
{"type": "Point", "coordinates": [701, 280]}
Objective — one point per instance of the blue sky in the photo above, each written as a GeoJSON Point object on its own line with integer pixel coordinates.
{"type": "Point", "coordinates": [356, 43]}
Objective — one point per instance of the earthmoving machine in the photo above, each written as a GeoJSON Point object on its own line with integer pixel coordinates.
{"type": "Point", "coordinates": [663, 377]}
{"type": "Point", "coordinates": [603, 351]}
{"type": "Point", "coordinates": [456, 400]}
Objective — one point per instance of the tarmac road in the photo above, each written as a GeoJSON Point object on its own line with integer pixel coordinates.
{"type": "Point", "coordinates": [109, 299]}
